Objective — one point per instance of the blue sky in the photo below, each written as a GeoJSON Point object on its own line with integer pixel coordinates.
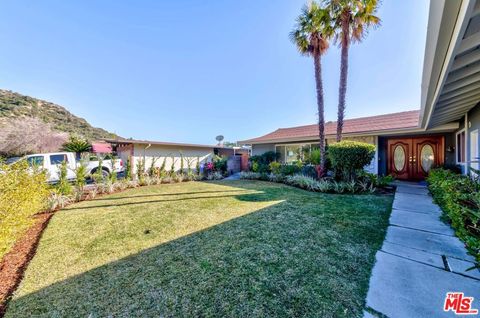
{"type": "Point", "coordinates": [187, 71]}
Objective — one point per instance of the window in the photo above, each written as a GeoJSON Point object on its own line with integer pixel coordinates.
{"type": "Point", "coordinates": [293, 153]}
{"type": "Point", "coordinates": [35, 161]}
{"type": "Point", "coordinates": [460, 145]}
{"type": "Point", "coordinates": [58, 159]}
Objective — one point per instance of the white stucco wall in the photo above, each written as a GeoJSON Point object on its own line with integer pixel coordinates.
{"type": "Point", "coordinates": [169, 154]}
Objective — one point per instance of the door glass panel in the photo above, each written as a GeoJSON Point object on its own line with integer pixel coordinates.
{"type": "Point", "coordinates": [399, 158]}
{"type": "Point", "coordinates": [427, 157]}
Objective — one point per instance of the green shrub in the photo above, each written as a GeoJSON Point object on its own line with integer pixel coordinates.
{"type": "Point", "coordinates": [81, 174]}
{"type": "Point", "coordinates": [260, 163]}
{"type": "Point", "coordinates": [290, 169]}
{"type": "Point", "coordinates": [197, 166]}
{"type": "Point", "coordinates": [128, 169]}
{"type": "Point", "coordinates": [220, 164]}
{"type": "Point", "coordinates": [63, 186]}
{"type": "Point", "coordinates": [459, 198]}
{"type": "Point", "coordinates": [141, 170]}
{"type": "Point", "coordinates": [348, 157]}
{"type": "Point", "coordinates": [375, 180]}
{"type": "Point", "coordinates": [76, 144]}
{"type": "Point", "coordinates": [151, 170]}
{"type": "Point", "coordinates": [23, 193]}
{"type": "Point", "coordinates": [275, 167]}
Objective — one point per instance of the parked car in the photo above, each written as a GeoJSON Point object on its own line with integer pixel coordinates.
{"type": "Point", "coordinates": [52, 161]}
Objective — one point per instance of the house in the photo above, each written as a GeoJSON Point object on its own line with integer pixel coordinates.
{"type": "Point", "coordinates": [445, 129]}
{"type": "Point", "coordinates": [135, 151]}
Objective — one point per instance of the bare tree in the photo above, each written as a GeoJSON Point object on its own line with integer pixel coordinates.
{"type": "Point", "coordinates": [26, 135]}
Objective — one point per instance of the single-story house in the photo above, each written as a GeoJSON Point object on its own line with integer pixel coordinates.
{"type": "Point", "coordinates": [445, 129]}
{"type": "Point", "coordinates": [147, 151]}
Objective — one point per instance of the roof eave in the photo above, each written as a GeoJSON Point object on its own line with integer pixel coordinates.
{"type": "Point", "coordinates": [385, 132]}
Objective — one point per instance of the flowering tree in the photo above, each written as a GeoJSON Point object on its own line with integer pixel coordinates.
{"type": "Point", "coordinates": [26, 135]}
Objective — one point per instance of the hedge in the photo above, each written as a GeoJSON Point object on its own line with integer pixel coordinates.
{"type": "Point", "coordinates": [459, 198]}
{"type": "Point", "coordinates": [348, 157]}
{"type": "Point", "coordinates": [23, 193]}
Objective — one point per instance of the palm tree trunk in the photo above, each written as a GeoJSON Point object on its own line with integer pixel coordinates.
{"type": "Point", "coordinates": [342, 91]}
{"type": "Point", "coordinates": [320, 105]}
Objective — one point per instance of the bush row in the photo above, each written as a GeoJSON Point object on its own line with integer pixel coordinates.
{"type": "Point", "coordinates": [23, 193]}
{"type": "Point", "coordinates": [366, 183]}
{"type": "Point", "coordinates": [345, 160]}
{"type": "Point", "coordinates": [459, 198]}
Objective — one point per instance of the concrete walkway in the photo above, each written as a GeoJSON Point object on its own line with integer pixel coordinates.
{"type": "Point", "coordinates": [235, 176]}
{"type": "Point", "coordinates": [420, 261]}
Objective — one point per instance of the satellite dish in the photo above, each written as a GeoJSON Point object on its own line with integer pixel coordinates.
{"type": "Point", "coordinates": [219, 138]}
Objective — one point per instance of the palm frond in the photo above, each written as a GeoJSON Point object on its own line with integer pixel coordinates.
{"type": "Point", "coordinates": [313, 29]}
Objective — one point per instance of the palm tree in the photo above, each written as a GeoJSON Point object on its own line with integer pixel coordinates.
{"type": "Point", "coordinates": [351, 20]}
{"type": "Point", "coordinates": [311, 35]}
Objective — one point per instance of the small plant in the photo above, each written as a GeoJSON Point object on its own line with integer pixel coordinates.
{"type": "Point", "coordinates": [172, 166]}
{"type": "Point", "coordinates": [81, 174]}
{"type": "Point", "coordinates": [92, 193]}
{"type": "Point", "coordinates": [182, 163]}
{"type": "Point", "coordinates": [324, 186]}
{"type": "Point", "coordinates": [57, 200]}
{"type": "Point", "coordinates": [275, 167]}
{"type": "Point", "coordinates": [197, 166]}
{"type": "Point", "coordinates": [151, 170]}
{"type": "Point", "coordinates": [338, 186]}
{"type": "Point", "coordinates": [216, 175]}
{"type": "Point", "coordinates": [276, 177]}
{"type": "Point", "coordinates": [189, 161]}
{"type": "Point", "coordinates": [112, 175]}
{"type": "Point", "coordinates": [351, 186]}
{"type": "Point", "coordinates": [167, 179]}
{"type": "Point", "coordinates": [363, 185]}
{"type": "Point", "coordinates": [64, 187]}
{"type": "Point", "coordinates": [128, 169]}
{"type": "Point", "coordinates": [220, 164]}
{"type": "Point", "coordinates": [98, 174]}
{"type": "Point", "coordinates": [163, 167]}
{"type": "Point", "coordinates": [141, 170]}
{"type": "Point", "coordinates": [78, 194]}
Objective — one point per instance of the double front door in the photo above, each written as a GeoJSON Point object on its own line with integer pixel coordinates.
{"type": "Point", "coordinates": [412, 158]}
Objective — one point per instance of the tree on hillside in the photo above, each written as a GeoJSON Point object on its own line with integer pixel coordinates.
{"type": "Point", "coordinates": [28, 135]}
{"type": "Point", "coordinates": [351, 20]}
{"type": "Point", "coordinates": [311, 35]}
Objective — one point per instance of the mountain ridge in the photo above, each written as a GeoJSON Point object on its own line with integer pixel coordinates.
{"type": "Point", "coordinates": [15, 105]}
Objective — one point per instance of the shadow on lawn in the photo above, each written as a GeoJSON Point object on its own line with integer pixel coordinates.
{"type": "Point", "coordinates": [160, 195]}
{"type": "Point", "coordinates": [288, 259]}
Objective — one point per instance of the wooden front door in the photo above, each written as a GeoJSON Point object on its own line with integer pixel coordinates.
{"type": "Point", "coordinates": [412, 158]}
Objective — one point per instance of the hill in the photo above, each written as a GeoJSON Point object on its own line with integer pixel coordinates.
{"type": "Point", "coordinates": [14, 105]}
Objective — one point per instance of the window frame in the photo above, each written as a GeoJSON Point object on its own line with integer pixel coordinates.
{"type": "Point", "coordinates": [59, 163]}
{"type": "Point", "coordinates": [300, 145]}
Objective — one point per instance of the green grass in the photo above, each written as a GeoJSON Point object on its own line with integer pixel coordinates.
{"type": "Point", "coordinates": [231, 248]}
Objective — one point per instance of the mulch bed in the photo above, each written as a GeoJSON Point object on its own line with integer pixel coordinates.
{"type": "Point", "coordinates": [14, 263]}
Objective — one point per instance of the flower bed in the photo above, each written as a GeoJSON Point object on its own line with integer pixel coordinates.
{"type": "Point", "coordinates": [365, 183]}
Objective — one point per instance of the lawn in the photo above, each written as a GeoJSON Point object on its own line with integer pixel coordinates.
{"type": "Point", "coordinates": [228, 248]}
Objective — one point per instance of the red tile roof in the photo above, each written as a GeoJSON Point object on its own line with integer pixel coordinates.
{"type": "Point", "coordinates": [403, 120]}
